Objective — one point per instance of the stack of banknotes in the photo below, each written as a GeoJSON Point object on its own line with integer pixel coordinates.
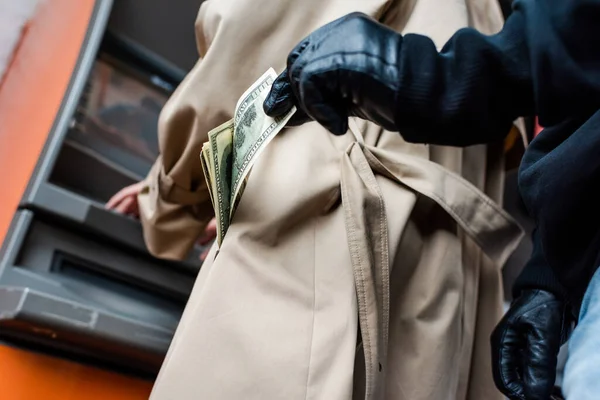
{"type": "Point", "coordinates": [233, 148]}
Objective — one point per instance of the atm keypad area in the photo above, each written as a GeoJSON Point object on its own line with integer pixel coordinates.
{"type": "Point", "coordinates": [76, 278]}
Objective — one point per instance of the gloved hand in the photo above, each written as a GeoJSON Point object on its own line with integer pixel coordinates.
{"type": "Point", "coordinates": [525, 345]}
{"type": "Point", "coordinates": [462, 95]}
{"type": "Point", "coordinates": [347, 67]}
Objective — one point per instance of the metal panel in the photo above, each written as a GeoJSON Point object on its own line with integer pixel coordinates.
{"type": "Point", "coordinates": [86, 296]}
{"type": "Point", "coordinates": [25, 313]}
{"type": "Point", "coordinates": [164, 27]}
{"type": "Point", "coordinates": [84, 213]}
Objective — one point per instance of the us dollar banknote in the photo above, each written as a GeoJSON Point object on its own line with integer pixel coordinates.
{"type": "Point", "coordinates": [221, 143]}
{"type": "Point", "coordinates": [233, 148]}
{"type": "Point", "coordinates": [253, 131]}
{"type": "Point", "coordinates": [208, 174]}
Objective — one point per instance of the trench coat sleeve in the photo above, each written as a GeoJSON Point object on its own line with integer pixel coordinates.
{"type": "Point", "coordinates": [174, 204]}
{"type": "Point", "coordinates": [173, 217]}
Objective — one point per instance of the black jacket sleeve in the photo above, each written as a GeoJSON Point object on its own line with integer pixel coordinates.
{"type": "Point", "coordinates": [468, 93]}
{"type": "Point", "coordinates": [559, 176]}
{"type": "Point", "coordinates": [559, 181]}
{"type": "Point", "coordinates": [537, 273]}
{"type": "Point", "coordinates": [544, 62]}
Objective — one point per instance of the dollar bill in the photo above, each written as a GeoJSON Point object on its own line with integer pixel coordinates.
{"type": "Point", "coordinates": [208, 175]}
{"type": "Point", "coordinates": [221, 141]}
{"type": "Point", "coordinates": [233, 148]}
{"type": "Point", "coordinates": [253, 130]}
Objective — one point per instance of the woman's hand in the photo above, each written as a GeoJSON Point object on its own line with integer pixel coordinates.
{"type": "Point", "coordinates": [125, 200]}
{"type": "Point", "coordinates": [210, 234]}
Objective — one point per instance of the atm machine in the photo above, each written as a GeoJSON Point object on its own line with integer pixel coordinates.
{"type": "Point", "coordinates": [77, 284]}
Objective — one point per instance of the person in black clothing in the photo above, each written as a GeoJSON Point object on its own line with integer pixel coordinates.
{"type": "Point", "coordinates": [545, 62]}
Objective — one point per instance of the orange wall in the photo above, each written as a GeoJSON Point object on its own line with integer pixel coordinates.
{"type": "Point", "coordinates": [30, 376]}
{"type": "Point", "coordinates": [30, 96]}
{"type": "Point", "coordinates": [31, 93]}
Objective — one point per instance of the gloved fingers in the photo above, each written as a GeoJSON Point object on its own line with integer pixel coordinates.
{"type": "Point", "coordinates": [508, 346]}
{"type": "Point", "coordinates": [290, 87]}
{"type": "Point", "coordinates": [310, 98]}
{"type": "Point", "coordinates": [330, 118]}
{"type": "Point", "coordinates": [323, 105]}
{"type": "Point", "coordinates": [540, 359]}
{"type": "Point", "coordinates": [281, 98]}
{"type": "Point", "coordinates": [299, 59]}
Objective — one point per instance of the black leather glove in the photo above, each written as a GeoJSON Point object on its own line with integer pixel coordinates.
{"type": "Point", "coordinates": [347, 67]}
{"type": "Point", "coordinates": [525, 345]}
{"type": "Point", "coordinates": [467, 93]}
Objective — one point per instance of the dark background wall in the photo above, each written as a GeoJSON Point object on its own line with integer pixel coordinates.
{"type": "Point", "coordinates": [165, 26]}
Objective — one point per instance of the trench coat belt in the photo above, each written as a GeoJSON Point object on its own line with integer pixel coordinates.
{"type": "Point", "coordinates": [495, 232]}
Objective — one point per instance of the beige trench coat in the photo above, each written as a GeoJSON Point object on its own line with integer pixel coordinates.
{"type": "Point", "coordinates": [353, 268]}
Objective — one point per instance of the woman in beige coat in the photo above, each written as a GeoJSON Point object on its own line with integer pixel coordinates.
{"type": "Point", "coordinates": [353, 267]}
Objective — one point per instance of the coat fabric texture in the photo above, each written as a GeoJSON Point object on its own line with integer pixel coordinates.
{"type": "Point", "coordinates": [355, 267]}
